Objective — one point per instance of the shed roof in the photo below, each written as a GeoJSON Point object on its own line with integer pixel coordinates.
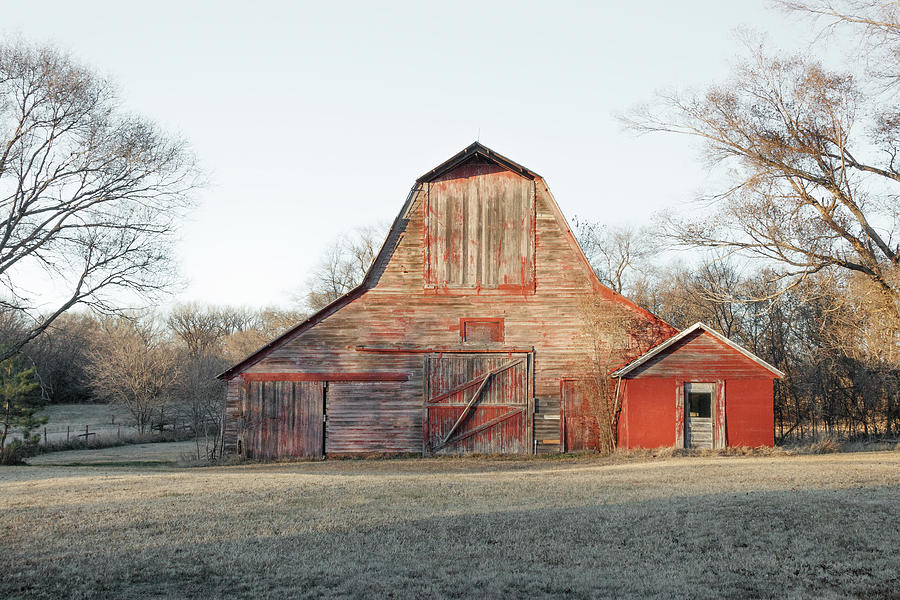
{"type": "Point", "coordinates": [677, 338]}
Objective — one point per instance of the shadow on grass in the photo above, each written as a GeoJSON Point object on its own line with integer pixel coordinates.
{"type": "Point", "coordinates": [832, 543]}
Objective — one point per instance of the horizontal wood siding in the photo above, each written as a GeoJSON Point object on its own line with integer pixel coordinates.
{"type": "Point", "coordinates": [365, 417]}
{"type": "Point", "coordinates": [700, 357]}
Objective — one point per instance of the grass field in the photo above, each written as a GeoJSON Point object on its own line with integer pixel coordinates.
{"type": "Point", "coordinates": [823, 526]}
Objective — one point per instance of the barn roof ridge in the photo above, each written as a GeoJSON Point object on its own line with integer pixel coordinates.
{"type": "Point", "coordinates": [471, 151]}
{"type": "Point", "coordinates": [656, 350]}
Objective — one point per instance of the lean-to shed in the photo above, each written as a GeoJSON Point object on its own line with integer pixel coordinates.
{"type": "Point", "coordinates": [697, 389]}
{"type": "Point", "coordinates": [472, 331]}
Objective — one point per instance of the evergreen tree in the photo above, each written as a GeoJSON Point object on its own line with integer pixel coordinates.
{"type": "Point", "coordinates": [20, 399]}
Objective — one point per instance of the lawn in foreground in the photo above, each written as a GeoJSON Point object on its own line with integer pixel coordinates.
{"type": "Point", "coordinates": [784, 526]}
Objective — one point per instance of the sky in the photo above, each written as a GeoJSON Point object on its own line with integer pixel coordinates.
{"type": "Point", "coordinates": [312, 119]}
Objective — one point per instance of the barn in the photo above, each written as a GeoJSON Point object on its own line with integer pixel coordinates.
{"type": "Point", "coordinates": [478, 328]}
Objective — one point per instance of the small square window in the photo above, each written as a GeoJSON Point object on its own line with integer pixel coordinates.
{"type": "Point", "coordinates": [481, 330]}
{"type": "Point", "coordinates": [700, 404]}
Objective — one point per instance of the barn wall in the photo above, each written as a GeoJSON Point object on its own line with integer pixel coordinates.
{"type": "Point", "coordinates": [749, 409]}
{"type": "Point", "coordinates": [648, 415]}
{"type": "Point", "coordinates": [389, 327]}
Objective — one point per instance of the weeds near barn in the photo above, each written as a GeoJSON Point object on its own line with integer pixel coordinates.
{"type": "Point", "coordinates": [736, 526]}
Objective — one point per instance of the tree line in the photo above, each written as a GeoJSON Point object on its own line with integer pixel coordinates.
{"type": "Point", "coordinates": [161, 367]}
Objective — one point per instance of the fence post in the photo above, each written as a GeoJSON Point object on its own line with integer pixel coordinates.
{"type": "Point", "coordinates": [86, 434]}
{"type": "Point", "coordinates": [67, 434]}
{"type": "Point", "coordinates": [45, 436]}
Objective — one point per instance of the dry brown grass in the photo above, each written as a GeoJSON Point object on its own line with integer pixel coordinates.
{"type": "Point", "coordinates": [821, 526]}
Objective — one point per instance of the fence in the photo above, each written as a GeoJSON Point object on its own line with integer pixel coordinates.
{"type": "Point", "coordinates": [92, 432]}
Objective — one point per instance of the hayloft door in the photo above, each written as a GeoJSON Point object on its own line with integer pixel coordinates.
{"type": "Point", "coordinates": [282, 418]}
{"type": "Point", "coordinates": [478, 403]}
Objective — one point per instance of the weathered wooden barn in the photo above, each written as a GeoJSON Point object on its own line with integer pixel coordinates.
{"type": "Point", "coordinates": [472, 332]}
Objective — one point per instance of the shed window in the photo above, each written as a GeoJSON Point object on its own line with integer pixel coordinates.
{"type": "Point", "coordinates": [481, 330]}
{"type": "Point", "coordinates": [700, 404]}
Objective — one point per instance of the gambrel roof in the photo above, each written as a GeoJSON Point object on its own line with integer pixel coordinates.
{"type": "Point", "coordinates": [474, 152]}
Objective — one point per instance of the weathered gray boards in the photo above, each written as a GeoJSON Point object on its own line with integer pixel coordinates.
{"type": "Point", "coordinates": [478, 310]}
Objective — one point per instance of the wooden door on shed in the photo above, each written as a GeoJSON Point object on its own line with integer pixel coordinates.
{"type": "Point", "coordinates": [699, 415]}
{"type": "Point", "coordinates": [282, 418]}
{"type": "Point", "coordinates": [580, 430]}
{"type": "Point", "coordinates": [478, 403]}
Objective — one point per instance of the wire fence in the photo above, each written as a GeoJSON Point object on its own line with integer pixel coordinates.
{"type": "Point", "coordinates": [94, 432]}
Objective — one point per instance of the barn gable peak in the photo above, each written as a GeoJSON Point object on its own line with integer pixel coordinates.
{"type": "Point", "coordinates": [476, 152]}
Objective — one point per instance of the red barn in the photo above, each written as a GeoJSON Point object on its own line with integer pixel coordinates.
{"type": "Point", "coordinates": [697, 389]}
{"type": "Point", "coordinates": [473, 331]}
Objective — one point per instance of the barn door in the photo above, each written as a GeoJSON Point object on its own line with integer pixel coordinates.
{"type": "Point", "coordinates": [282, 418]}
{"type": "Point", "coordinates": [580, 429]}
{"type": "Point", "coordinates": [478, 403]}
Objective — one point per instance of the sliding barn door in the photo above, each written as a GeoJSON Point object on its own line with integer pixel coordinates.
{"type": "Point", "coordinates": [478, 403]}
{"type": "Point", "coordinates": [283, 419]}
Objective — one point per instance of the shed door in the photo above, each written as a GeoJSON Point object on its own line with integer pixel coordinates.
{"type": "Point", "coordinates": [580, 429]}
{"type": "Point", "coordinates": [282, 418]}
{"type": "Point", "coordinates": [477, 403]}
{"type": "Point", "coordinates": [699, 414]}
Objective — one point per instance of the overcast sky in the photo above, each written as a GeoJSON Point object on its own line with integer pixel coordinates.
{"type": "Point", "coordinates": [314, 118]}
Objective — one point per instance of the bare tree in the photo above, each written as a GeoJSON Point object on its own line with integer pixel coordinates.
{"type": "Point", "coordinates": [90, 195]}
{"type": "Point", "coordinates": [61, 356]}
{"type": "Point", "coordinates": [133, 364]}
{"type": "Point", "coordinates": [342, 266]}
{"type": "Point", "coordinates": [813, 166]}
{"type": "Point", "coordinates": [618, 255]}
{"type": "Point", "coordinates": [878, 21]}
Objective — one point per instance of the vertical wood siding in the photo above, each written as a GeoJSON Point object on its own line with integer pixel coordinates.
{"type": "Point", "coordinates": [581, 430]}
{"type": "Point", "coordinates": [282, 418]}
{"type": "Point", "coordinates": [480, 230]}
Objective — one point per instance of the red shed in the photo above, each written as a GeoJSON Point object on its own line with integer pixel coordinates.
{"type": "Point", "coordinates": [697, 389]}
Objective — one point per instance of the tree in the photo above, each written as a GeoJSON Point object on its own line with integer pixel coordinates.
{"type": "Point", "coordinates": [60, 356]}
{"type": "Point", "coordinates": [133, 364]}
{"type": "Point", "coordinates": [812, 157]}
{"type": "Point", "coordinates": [90, 195]}
{"type": "Point", "coordinates": [20, 399]}
{"type": "Point", "coordinates": [341, 267]}
{"type": "Point", "coordinates": [618, 255]}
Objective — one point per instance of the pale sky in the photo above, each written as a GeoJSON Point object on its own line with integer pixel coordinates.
{"type": "Point", "coordinates": [314, 118]}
